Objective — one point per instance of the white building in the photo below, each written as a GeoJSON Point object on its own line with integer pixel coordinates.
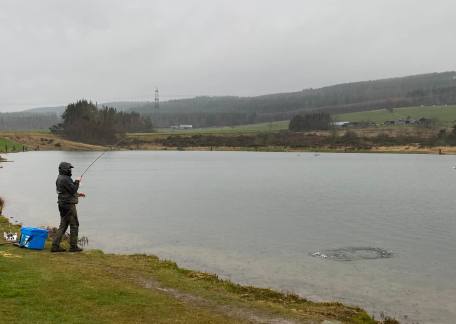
{"type": "Point", "coordinates": [341, 124]}
{"type": "Point", "coordinates": [182, 126]}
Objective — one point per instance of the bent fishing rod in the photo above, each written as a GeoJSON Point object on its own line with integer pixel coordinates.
{"type": "Point", "coordinates": [99, 157]}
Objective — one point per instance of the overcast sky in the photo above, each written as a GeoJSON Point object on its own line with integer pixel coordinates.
{"type": "Point", "coordinates": [55, 51]}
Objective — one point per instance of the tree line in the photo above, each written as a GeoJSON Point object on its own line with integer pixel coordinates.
{"type": "Point", "coordinates": [83, 121]}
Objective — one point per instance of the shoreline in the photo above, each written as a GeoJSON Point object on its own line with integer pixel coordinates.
{"type": "Point", "coordinates": [403, 149]}
{"type": "Point", "coordinates": [35, 141]}
{"type": "Point", "coordinates": [193, 288]}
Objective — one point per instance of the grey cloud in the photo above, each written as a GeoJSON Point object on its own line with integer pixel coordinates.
{"type": "Point", "coordinates": [56, 51]}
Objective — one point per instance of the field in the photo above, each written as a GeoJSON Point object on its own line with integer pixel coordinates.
{"type": "Point", "coordinates": [242, 129]}
{"type": "Point", "coordinates": [443, 115]}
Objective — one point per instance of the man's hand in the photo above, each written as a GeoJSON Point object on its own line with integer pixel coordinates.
{"type": "Point", "coordinates": [81, 194]}
{"type": "Point", "coordinates": [79, 179]}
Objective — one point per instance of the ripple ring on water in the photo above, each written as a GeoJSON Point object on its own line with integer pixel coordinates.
{"type": "Point", "coordinates": [353, 254]}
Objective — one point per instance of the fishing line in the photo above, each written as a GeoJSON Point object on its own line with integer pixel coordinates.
{"type": "Point", "coordinates": [99, 156]}
{"type": "Point", "coordinates": [87, 169]}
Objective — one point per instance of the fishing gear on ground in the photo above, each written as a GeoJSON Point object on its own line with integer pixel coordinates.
{"type": "Point", "coordinates": [10, 237]}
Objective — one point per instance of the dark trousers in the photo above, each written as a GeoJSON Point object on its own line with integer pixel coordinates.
{"type": "Point", "coordinates": [68, 217]}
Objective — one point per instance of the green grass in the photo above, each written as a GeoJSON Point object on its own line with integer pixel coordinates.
{"type": "Point", "coordinates": [242, 129]}
{"type": "Point", "coordinates": [443, 115]}
{"type": "Point", "coordinates": [7, 145]}
{"type": "Point", "coordinates": [93, 287]}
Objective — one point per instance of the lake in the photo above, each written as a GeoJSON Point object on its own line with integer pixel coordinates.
{"type": "Point", "coordinates": [256, 218]}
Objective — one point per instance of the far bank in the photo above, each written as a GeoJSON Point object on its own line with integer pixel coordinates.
{"type": "Point", "coordinates": [385, 140]}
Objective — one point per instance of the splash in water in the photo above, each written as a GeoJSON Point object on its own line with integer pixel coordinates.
{"type": "Point", "coordinates": [353, 254]}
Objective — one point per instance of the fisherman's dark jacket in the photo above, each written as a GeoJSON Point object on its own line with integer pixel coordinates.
{"type": "Point", "coordinates": [67, 190]}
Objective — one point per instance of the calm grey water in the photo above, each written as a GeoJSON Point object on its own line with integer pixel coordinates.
{"type": "Point", "coordinates": [255, 217]}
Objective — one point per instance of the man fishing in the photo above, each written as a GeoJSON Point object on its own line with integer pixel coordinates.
{"type": "Point", "coordinates": [68, 196]}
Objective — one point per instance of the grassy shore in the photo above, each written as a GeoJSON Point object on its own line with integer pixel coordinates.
{"type": "Point", "coordinates": [7, 145]}
{"type": "Point", "coordinates": [93, 287]}
{"type": "Point", "coordinates": [43, 141]}
{"type": "Point", "coordinates": [371, 140]}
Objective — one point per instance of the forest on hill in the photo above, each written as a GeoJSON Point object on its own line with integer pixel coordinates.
{"type": "Point", "coordinates": [204, 111]}
{"type": "Point", "coordinates": [425, 89]}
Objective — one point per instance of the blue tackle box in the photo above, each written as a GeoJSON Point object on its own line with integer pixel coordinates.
{"type": "Point", "coordinates": [33, 238]}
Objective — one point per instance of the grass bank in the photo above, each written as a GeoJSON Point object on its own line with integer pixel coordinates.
{"type": "Point", "coordinates": [93, 287]}
{"type": "Point", "coordinates": [43, 141]}
{"type": "Point", "coordinates": [367, 140]}
{"type": "Point", "coordinates": [376, 140]}
{"type": "Point", "coordinates": [7, 145]}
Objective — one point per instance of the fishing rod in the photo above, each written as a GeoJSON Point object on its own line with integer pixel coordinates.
{"type": "Point", "coordinates": [99, 156]}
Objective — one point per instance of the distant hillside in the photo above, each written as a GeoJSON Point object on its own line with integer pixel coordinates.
{"type": "Point", "coordinates": [43, 118]}
{"type": "Point", "coordinates": [45, 110]}
{"type": "Point", "coordinates": [27, 120]}
{"type": "Point", "coordinates": [417, 90]}
{"type": "Point", "coordinates": [425, 89]}
{"type": "Point", "coordinates": [121, 105]}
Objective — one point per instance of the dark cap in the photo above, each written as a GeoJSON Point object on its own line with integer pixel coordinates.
{"type": "Point", "coordinates": [65, 166]}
